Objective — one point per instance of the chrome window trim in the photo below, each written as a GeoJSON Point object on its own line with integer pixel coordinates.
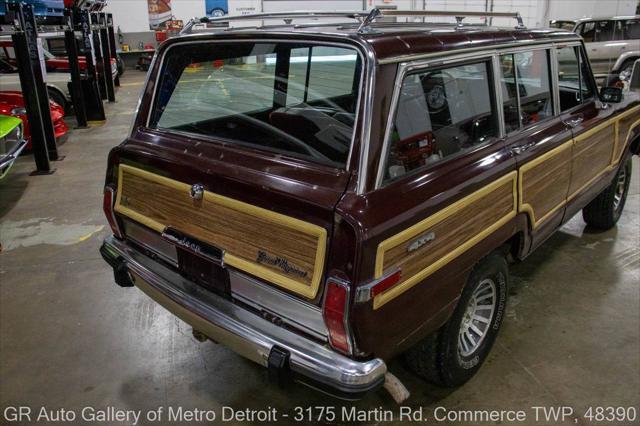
{"type": "Point", "coordinates": [187, 40]}
{"type": "Point", "coordinates": [553, 57]}
{"type": "Point", "coordinates": [436, 59]}
{"type": "Point", "coordinates": [404, 69]}
{"type": "Point", "coordinates": [497, 87]}
{"type": "Point", "coordinates": [365, 138]}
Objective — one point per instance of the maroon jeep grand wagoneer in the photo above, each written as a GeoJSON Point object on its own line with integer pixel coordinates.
{"type": "Point", "coordinates": [321, 197]}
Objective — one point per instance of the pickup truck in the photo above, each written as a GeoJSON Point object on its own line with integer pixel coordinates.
{"type": "Point", "coordinates": [322, 197]}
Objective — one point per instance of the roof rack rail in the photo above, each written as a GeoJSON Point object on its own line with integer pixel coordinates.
{"type": "Point", "coordinates": [459, 16]}
{"type": "Point", "coordinates": [288, 17]}
{"type": "Point", "coordinates": [366, 18]}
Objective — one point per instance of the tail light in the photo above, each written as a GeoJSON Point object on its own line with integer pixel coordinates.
{"type": "Point", "coordinates": [336, 314]}
{"type": "Point", "coordinates": [107, 205]}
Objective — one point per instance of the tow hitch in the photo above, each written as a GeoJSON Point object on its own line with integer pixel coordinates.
{"type": "Point", "coordinates": [278, 366]}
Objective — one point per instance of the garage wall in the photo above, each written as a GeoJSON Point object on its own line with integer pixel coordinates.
{"type": "Point", "coordinates": [131, 15]}
{"type": "Point", "coordinates": [566, 9]}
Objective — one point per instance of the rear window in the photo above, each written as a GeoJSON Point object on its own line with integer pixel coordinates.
{"type": "Point", "coordinates": [291, 98]}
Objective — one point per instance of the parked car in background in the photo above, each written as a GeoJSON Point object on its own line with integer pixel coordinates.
{"type": "Point", "coordinates": [11, 142]}
{"type": "Point", "coordinates": [12, 103]}
{"type": "Point", "coordinates": [57, 84]}
{"type": "Point", "coordinates": [563, 24]}
{"type": "Point", "coordinates": [217, 8]}
{"type": "Point", "coordinates": [42, 9]}
{"type": "Point", "coordinates": [321, 199]}
{"type": "Point", "coordinates": [613, 44]}
{"type": "Point", "coordinates": [55, 44]}
{"type": "Point", "coordinates": [52, 63]}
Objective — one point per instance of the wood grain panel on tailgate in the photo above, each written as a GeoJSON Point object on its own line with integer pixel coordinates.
{"type": "Point", "coordinates": [449, 233]}
{"type": "Point", "coordinates": [280, 249]}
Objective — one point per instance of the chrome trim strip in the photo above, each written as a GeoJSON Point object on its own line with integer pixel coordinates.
{"type": "Point", "coordinates": [243, 331]}
{"type": "Point", "coordinates": [289, 309]}
{"type": "Point", "coordinates": [151, 241]}
{"type": "Point", "coordinates": [189, 39]}
{"type": "Point", "coordinates": [363, 292]}
{"type": "Point", "coordinates": [468, 50]}
{"type": "Point", "coordinates": [497, 86]}
{"type": "Point", "coordinates": [365, 136]}
{"type": "Point", "coordinates": [555, 84]}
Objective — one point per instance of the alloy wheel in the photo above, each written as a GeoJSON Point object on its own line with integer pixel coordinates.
{"type": "Point", "coordinates": [477, 317]}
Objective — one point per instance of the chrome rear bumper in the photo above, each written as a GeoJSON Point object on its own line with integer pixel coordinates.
{"type": "Point", "coordinates": [243, 331]}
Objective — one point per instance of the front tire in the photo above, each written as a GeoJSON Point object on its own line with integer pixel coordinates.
{"type": "Point", "coordinates": [626, 69]}
{"type": "Point", "coordinates": [455, 353]}
{"type": "Point", "coordinates": [605, 210]}
{"type": "Point", "coordinates": [58, 98]}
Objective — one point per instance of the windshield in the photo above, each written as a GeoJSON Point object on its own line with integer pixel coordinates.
{"type": "Point", "coordinates": [298, 99]}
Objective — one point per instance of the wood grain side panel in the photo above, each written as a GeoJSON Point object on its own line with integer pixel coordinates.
{"type": "Point", "coordinates": [625, 124]}
{"type": "Point", "coordinates": [240, 229]}
{"type": "Point", "coordinates": [544, 183]}
{"type": "Point", "coordinates": [455, 229]}
{"type": "Point", "coordinates": [592, 155]}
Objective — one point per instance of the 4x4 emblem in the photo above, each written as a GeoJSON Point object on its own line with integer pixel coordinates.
{"type": "Point", "coordinates": [196, 191]}
{"type": "Point", "coordinates": [421, 241]}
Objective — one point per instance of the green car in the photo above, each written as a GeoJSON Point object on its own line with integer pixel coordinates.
{"type": "Point", "coordinates": [11, 142]}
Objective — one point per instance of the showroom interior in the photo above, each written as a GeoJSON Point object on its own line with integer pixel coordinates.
{"type": "Point", "coordinates": [88, 90]}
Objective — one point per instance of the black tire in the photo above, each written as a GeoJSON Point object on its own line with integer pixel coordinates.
{"type": "Point", "coordinates": [58, 98]}
{"type": "Point", "coordinates": [120, 66]}
{"type": "Point", "coordinates": [439, 358]}
{"type": "Point", "coordinates": [604, 211]}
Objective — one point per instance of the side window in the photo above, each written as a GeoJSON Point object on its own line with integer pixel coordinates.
{"type": "Point", "coordinates": [587, 31]}
{"type": "Point", "coordinates": [526, 88]}
{"type": "Point", "coordinates": [573, 78]}
{"type": "Point", "coordinates": [631, 29]}
{"type": "Point", "coordinates": [440, 113]}
{"type": "Point", "coordinates": [605, 31]}
{"type": "Point", "coordinates": [618, 30]}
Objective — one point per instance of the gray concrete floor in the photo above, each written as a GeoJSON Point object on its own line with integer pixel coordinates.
{"type": "Point", "coordinates": [70, 338]}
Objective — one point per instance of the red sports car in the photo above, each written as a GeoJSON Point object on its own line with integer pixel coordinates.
{"type": "Point", "coordinates": [12, 103]}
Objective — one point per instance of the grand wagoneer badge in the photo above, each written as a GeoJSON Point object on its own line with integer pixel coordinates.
{"type": "Point", "coordinates": [283, 264]}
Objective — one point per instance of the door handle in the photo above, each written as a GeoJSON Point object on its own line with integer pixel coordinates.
{"type": "Point", "coordinates": [517, 150]}
{"type": "Point", "coordinates": [574, 122]}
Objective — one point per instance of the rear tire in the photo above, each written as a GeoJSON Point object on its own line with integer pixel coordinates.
{"type": "Point", "coordinates": [453, 354]}
{"type": "Point", "coordinates": [605, 210]}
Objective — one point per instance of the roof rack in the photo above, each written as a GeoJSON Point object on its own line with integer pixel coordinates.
{"type": "Point", "coordinates": [365, 18]}
{"type": "Point", "coordinates": [459, 16]}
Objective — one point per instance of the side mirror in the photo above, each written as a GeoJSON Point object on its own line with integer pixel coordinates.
{"type": "Point", "coordinates": [611, 94]}
{"type": "Point", "coordinates": [634, 80]}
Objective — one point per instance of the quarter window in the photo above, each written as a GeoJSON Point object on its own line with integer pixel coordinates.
{"type": "Point", "coordinates": [440, 113]}
{"type": "Point", "coordinates": [526, 89]}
